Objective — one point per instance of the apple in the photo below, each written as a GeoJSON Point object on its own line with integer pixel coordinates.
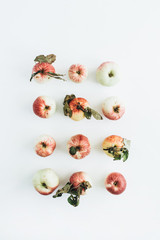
{"type": "Point", "coordinates": [43, 70]}
{"type": "Point", "coordinates": [108, 74]}
{"type": "Point", "coordinates": [113, 108]}
{"type": "Point", "coordinates": [115, 183]}
{"type": "Point", "coordinates": [44, 106]}
{"type": "Point", "coordinates": [77, 73]}
{"type": "Point", "coordinates": [45, 181]}
{"type": "Point", "coordinates": [78, 146]}
{"type": "Point", "coordinates": [116, 147]}
{"type": "Point", "coordinates": [79, 177]}
{"type": "Point", "coordinates": [78, 108]}
{"type": "Point", "coordinates": [77, 186]}
{"type": "Point", "coordinates": [45, 145]}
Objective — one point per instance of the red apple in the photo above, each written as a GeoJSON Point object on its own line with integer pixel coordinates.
{"type": "Point", "coordinates": [115, 183]}
{"type": "Point", "coordinates": [78, 108]}
{"type": "Point", "coordinates": [77, 186]}
{"type": "Point", "coordinates": [113, 108]}
{"type": "Point", "coordinates": [45, 181]}
{"type": "Point", "coordinates": [79, 146]}
{"type": "Point", "coordinates": [77, 73]}
{"type": "Point", "coordinates": [44, 106]}
{"type": "Point", "coordinates": [43, 70]}
{"type": "Point", "coordinates": [45, 146]}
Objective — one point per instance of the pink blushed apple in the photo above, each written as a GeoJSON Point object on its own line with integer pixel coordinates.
{"type": "Point", "coordinates": [45, 181]}
{"type": "Point", "coordinates": [79, 177]}
{"type": "Point", "coordinates": [115, 183]}
{"type": "Point", "coordinates": [77, 73]}
{"type": "Point", "coordinates": [113, 108]}
{"type": "Point", "coordinates": [108, 74]}
{"type": "Point", "coordinates": [45, 145]}
{"type": "Point", "coordinates": [43, 70]}
{"type": "Point", "coordinates": [78, 146]}
{"type": "Point", "coordinates": [44, 107]}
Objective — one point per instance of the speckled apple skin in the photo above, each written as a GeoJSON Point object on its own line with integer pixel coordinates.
{"type": "Point", "coordinates": [79, 177]}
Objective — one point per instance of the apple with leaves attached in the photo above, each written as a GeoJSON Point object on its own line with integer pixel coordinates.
{"type": "Point", "coordinates": [108, 74]}
{"type": "Point", "coordinates": [113, 108]}
{"type": "Point", "coordinates": [116, 147]}
{"type": "Point", "coordinates": [45, 181]}
{"type": "Point", "coordinates": [45, 145]}
{"type": "Point", "coordinates": [78, 183]}
{"type": "Point", "coordinates": [115, 183]}
{"type": "Point", "coordinates": [43, 70]}
{"type": "Point", "coordinates": [78, 146]}
{"type": "Point", "coordinates": [78, 108]}
{"type": "Point", "coordinates": [77, 73]}
{"type": "Point", "coordinates": [44, 107]}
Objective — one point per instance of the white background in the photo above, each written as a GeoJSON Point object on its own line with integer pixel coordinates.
{"type": "Point", "coordinates": [86, 32]}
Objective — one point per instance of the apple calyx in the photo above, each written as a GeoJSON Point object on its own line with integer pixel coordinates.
{"type": "Point", "coordinates": [88, 112]}
{"type": "Point", "coordinates": [120, 153]}
{"type": "Point", "coordinates": [74, 192]}
{"type": "Point", "coordinates": [49, 58]}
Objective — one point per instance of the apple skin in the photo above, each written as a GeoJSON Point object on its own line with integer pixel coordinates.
{"type": "Point", "coordinates": [78, 114]}
{"type": "Point", "coordinates": [82, 142]}
{"type": "Point", "coordinates": [108, 74]}
{"type": "Point", "coordinates": [112, 141]}
{"type": "Point", "coordinates": [115, 183]}
{"type": "Point", "coordinates": [79, 177]}
{"type": "Point", "coordinates": [45, 68]}
{"type": "Point", "coordinates": [113, 108]}
{"type": "Point", "coordinates": [77, 73]}
{"type": "Point", "coordinates": [44, 107]}
{"type": "Point", "coordinates": [45, 181]}
{"type": "Point", "coordinates": [45, 145]}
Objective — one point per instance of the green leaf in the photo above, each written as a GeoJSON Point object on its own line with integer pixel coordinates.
{"type": "Point", "coordinates": [73, 200]}
{"type": "Point", "coordinates": [65, 189]}
{"type": "Point", "coordinates": [49, 58]}
{"type": "Point", "coordinates": [66, 109]}
{"type": "Point", "coordinates": [68, 98]}
{"type": "Point", "coordinates": [87, 113]}
{"type": "Point", "coordinates": [96, 115]}
{"type": "Point", "coordinates": [73, 150]}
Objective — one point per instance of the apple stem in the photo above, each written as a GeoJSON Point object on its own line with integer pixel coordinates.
{"type": "Point", "coordinates": [34, 74]}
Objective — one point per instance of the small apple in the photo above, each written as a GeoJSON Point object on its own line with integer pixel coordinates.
{"type": "Point", "coordinates": [45, 146]}
{"type": "Point", "coordinates": [78, 108]}
{"type": "Point", "coordinates": [115, 183]}
{"type": "Point", "coordinates": [43, 71]}
{"type": "Point", "coordinates": [113, 108]}
{"type": "Point", "coordinates": [78, 146]}
{"type": "Point", "coordinates": [45, 181]}
{"type": "Point", "coordinates": [108, 74]}
{"type": "Point", "coordinates": [116, 147]}
{"type": "Point", "coordinates": [77, 73]}
{"type": "Point", "coordinates": [44, 106]}
{"type": "Point", "coordinates": [77, 186]}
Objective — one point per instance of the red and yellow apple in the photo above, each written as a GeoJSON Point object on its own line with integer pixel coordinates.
{"type": "Point", "coordinates": [44, 107]}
